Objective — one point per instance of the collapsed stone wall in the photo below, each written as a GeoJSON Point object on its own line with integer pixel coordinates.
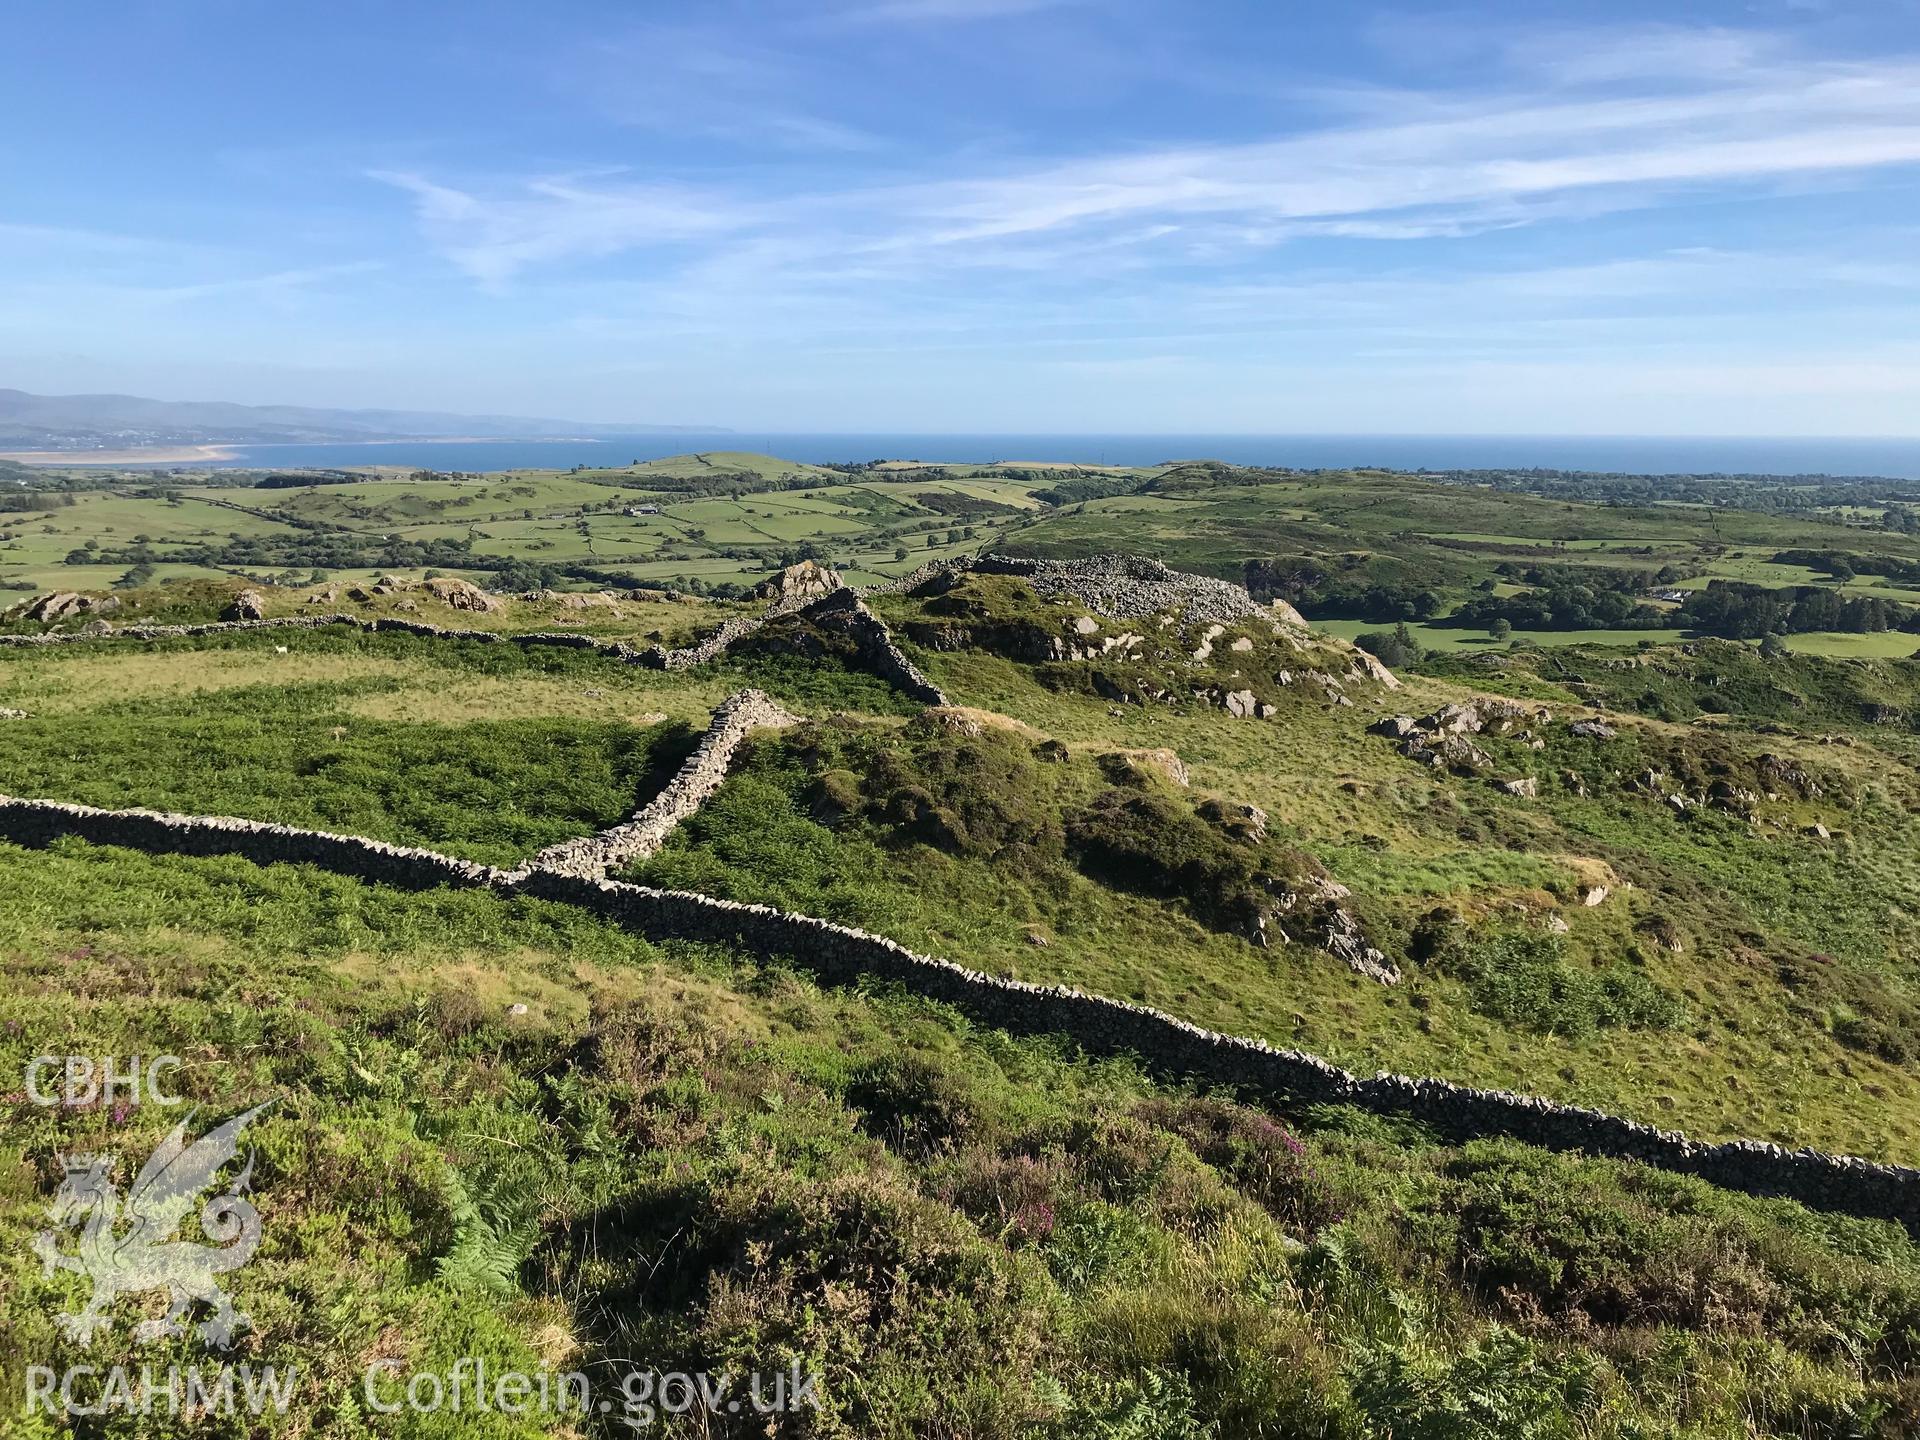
{"type": "Point", "coordinates": [874, 642]}
{"type": "Point", "coordinates": [595, 855]}
{"type": "Point", "coordinates": [385, 624]}
{"type": "Point", "coordinates": [847, 612]}
{"type": "Point", "coordinates": [839, 954]}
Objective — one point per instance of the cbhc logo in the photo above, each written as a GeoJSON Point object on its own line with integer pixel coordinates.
{"type": "Point", "coordinates": [79, 1080]}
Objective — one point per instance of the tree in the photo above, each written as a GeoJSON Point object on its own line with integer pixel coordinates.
{"type": "Point", "coordinates": [1393, 648]}
{"type": "Point", "coordinates": [1500, 629]}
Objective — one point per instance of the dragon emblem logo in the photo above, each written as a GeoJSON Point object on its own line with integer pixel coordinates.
{"type": "Point", "coordinates": [129, 1246]}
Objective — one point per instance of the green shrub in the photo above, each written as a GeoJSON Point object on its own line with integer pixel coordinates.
{"type": "Point", "coordinates": [1524, 978]}
{"type": "Point", "coordinates": [976, 795]}
{"type": "Point", "coordinates": [1257, 1154]}
{"type": "Point", "coordinates": [1504, 1387]}
{"type": "Point", "coordinates": [1151, 844]}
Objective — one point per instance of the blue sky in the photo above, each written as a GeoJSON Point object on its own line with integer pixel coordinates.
{"type": "Point", "coordinates": [977, 215]}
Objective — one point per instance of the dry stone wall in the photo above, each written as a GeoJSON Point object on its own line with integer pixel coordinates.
{"type": "Point", "coordinates": [701, 775]}
{"type": "Point", "coordinates": [846, 611]}
{"type": "Point", "coordinates": [382, 625]}
{"type": "Point", "coordinates": [876, 646]}
{"type": "Point", "coordinates": [840, 954]}
{"type": "Point", "coordinates": [156, 832]}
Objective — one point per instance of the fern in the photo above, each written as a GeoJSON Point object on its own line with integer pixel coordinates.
{"type": "Point", "coordinates": [493, 1234]}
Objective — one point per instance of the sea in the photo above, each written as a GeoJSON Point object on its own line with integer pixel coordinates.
{"type": "Point", "coordinates": [1890, 458]}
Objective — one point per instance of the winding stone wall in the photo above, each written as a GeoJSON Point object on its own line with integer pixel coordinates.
{"type": "Point", "coordinates": [594, 855]}
{"type": "Point", "coordinates": [384, 624]}
{"type": "Point", "coordinates": [840, 954]}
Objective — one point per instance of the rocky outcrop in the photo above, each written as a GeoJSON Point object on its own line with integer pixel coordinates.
{"type": "Point", "coordinates": [458, 594]}
{"type": "Point", "coordinates": [1313, 913]}
{"type": "Point", "coordinates": [247, 605]}
{"type": "Point", "coordinates": [701, 775]}
{"type": "Point", "coordinates": [1369, 666]}
{"type": "Point", "coordinates": [62, 605]}
{"type": "Point", "coordinates": [841, 955]}
{"type": "Point", "coordinates": [1483, 716]}
{"type": "Point", "coordinates": [1287, 615]}
{"type": "Point", "coordinates": [799, 584]}
{"type": "Point", "coordinates": [1446, 752]}
{"type": "Point", "coordinates": [1440, 740]}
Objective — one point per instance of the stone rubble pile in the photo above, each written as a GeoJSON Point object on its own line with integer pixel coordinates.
{"type": "Point", "coordinates": [1132, 587]}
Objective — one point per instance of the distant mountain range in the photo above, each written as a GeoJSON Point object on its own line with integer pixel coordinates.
{"type": "Point", "coordinates": [117, 422]}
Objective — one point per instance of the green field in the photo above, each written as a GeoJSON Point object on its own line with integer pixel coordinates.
{"type": "Point", "coordinates": [720, 519]}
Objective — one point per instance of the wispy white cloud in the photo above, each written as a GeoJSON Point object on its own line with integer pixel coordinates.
{"type": "Point", "coordinates": [273, 283]}
{"type": "Point", "coordinates": [560, 218]}
{"type": "Point", "coordinates": [66, 237]}
{"type": "Point", "coordinates": [1729, 111]}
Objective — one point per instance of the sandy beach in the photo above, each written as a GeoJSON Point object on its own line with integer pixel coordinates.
{"type": "Point", "coordinates": [156, 455]}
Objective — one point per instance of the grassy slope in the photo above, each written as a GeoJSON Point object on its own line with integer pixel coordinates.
{"type": "Point", "coordinates": [676, 1160]}
{"type": "Point", "coordinates": [1796, 993]}
{"type": "Point", "coordinates": [495, 752]}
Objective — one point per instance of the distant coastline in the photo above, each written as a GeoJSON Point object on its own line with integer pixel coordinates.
{"type": "Point", "coordinates": [227, 452]}
{"type": "Point", "coordinates": [144, 455]}
{"type": "Point", "coordinates": [1651, 455]}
